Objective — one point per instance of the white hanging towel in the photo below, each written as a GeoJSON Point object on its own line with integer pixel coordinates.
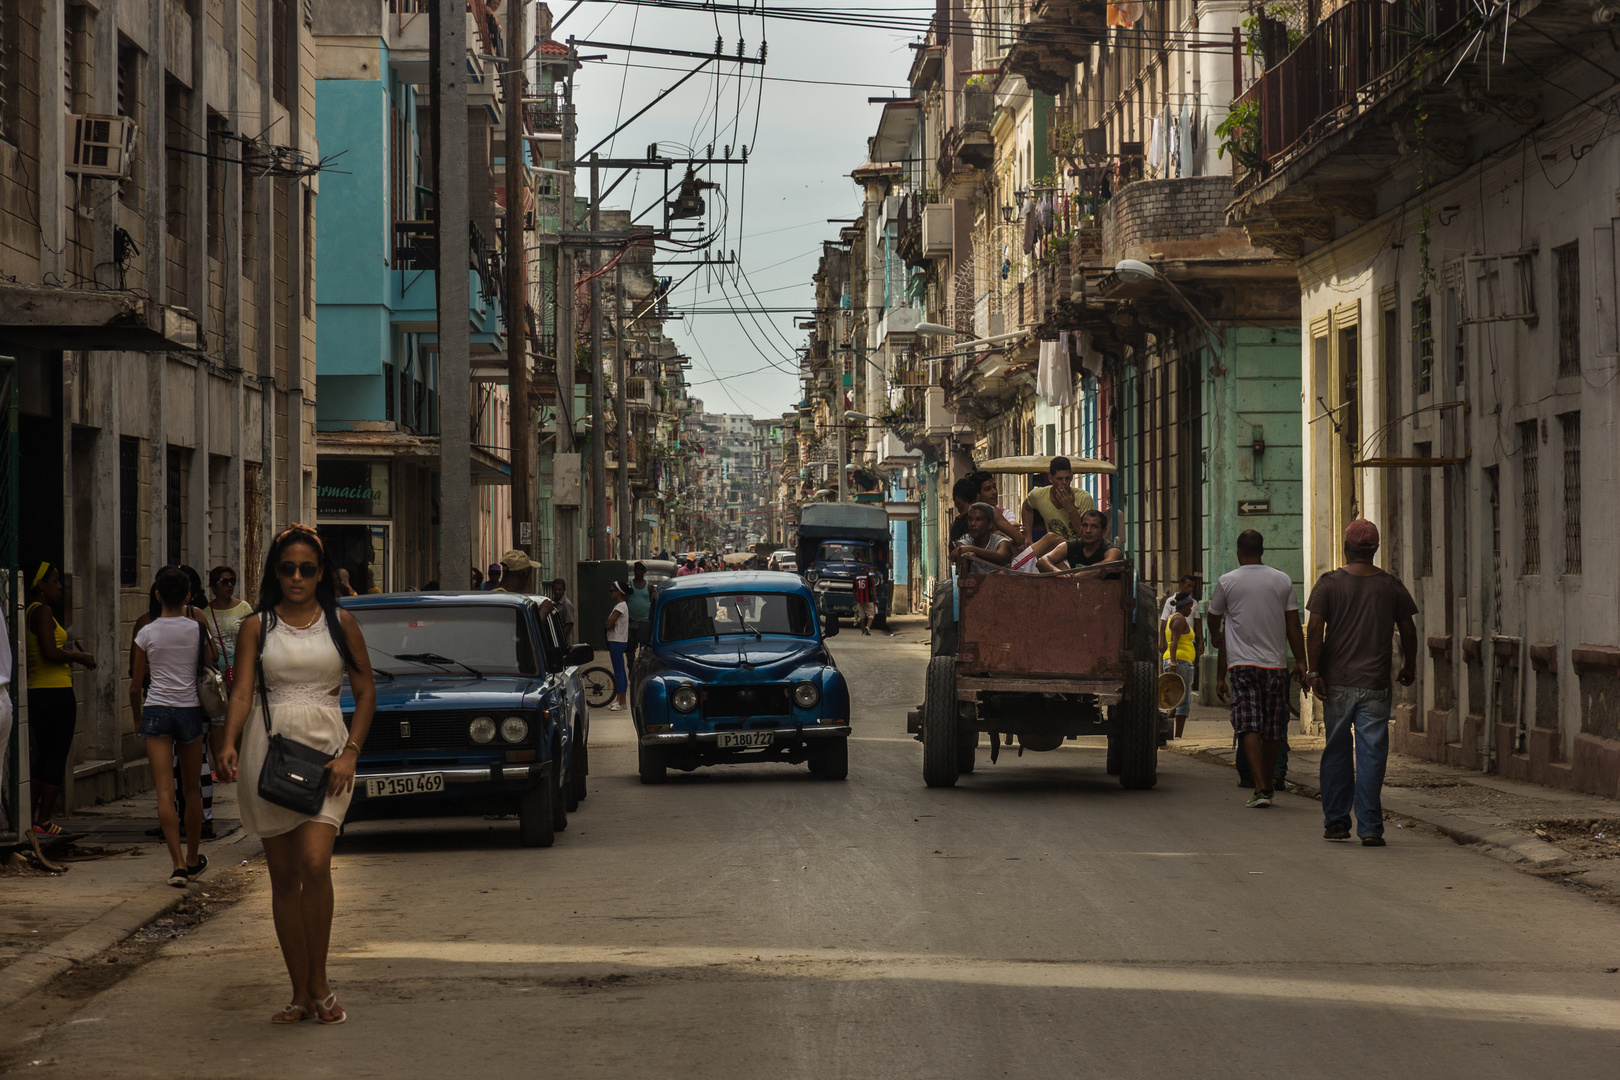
{"type": "Point", "coordinates": [1052, 379]}
{"type": "Point", "coordinates": [1155, 152]}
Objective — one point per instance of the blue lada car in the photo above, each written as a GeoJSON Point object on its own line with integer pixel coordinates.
{"type": "Point", "coordinates": [479, 710]}
{"type": "Point", "coordinates": [739, 670]}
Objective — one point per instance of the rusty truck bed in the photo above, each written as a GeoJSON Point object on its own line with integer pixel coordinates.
{"type": "Point", "coordinates": [1043, 629]}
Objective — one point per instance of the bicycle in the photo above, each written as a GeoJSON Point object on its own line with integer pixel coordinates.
{"type": "Point", "coordinates": [598, 683]}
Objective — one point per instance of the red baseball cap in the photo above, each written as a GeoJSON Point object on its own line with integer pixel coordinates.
{"type": "Point", "coordinates": [1361, 533]}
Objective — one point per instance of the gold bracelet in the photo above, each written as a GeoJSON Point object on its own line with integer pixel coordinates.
{"type": "Point", "coordinates": [351, 746]}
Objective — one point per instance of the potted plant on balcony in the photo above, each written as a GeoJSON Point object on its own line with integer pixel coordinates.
{"type": "Point", "coordinates": [1240, 135]}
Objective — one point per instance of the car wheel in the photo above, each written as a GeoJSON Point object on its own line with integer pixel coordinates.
{"type": "Point", "coordinates": [939, 723]}
{"type": "Point", "coordinates": [1138, 737]}
{"type": "Point", "coordinates": [577, 774]}
{"type": "Point", "coordinates": [650, 763]}
{"type": "Point", "coordinates": [829, 758]}
{"type": "Point", "coordinates": [559, 794]}
{"type": "Point", "coordinates": [535, 822]}
{"type": "Point", "coordinates": [597, 682]}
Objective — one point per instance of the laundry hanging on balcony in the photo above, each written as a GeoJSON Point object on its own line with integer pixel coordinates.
{"type": "Point", "coordinates": [1052, 378]}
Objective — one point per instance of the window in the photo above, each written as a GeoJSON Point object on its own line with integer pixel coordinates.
{"type": "Point", "coordinates": [389, 386]}
{"type": "Point", "coordinates": [1567, 263]}
{"type": "Point", "coordinates": [216, 185]}
{"type": "Point", "coordinates": [1422, 346]}
{"type": "Point", "coordinates": [176, 140]}
{"type": "Point", "coordinates": [713, 616]}
{"type": "Point", "coordinates": [309, 254]}
{"type": "Point", "coordinates": [1530, 498]}
{"type": "Point", "coordinates": [250, 226]}
{"type": "Point", "coordinates": [493, 639]}
{"type": "Point", "coordinates": [129, 511]}
{"type": "Point", "coordinates": [1493, 491]}
{"type": "Point", "coordinates": [282, 34]}
{"type": "Point", "coordinates": [1459, 350]}
{"type": "Point", "coordinates": [19, 67]}
{"type": "Point", "coordinates": [174, 507]}
{"type": "Point", "coordinates": [132, 103]}
{"type": "Point", "coordinates": [1571, 425]}
{"type": "Point", "coordinates": [1425, 566]}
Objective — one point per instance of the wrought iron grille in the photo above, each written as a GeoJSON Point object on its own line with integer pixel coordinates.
{"type": "Point", "coordinates": [1425, 512]}
{"type": "Point", "coordinates": [1529, 503]}
{"type": "Point", "coordinates": [1571, 424]}
{"type": "Point", "coordinates": [1568, 261]}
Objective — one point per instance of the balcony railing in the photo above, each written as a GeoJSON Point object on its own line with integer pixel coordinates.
{"type": "Point", "coordinates": [549, 114]}
{"type": "Point", "coordinates": [1352, 58]}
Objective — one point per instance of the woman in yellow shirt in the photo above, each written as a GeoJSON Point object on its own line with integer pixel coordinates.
{"type": "Point", "coordinates": [1180, 651]}
{"type": "Point", "coordinates": [52, 711]}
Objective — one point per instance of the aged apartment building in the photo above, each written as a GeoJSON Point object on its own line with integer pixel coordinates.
{"type": "Point", "coordinates": [158, 190]}
{"type": "Point", "coordinates": [1448, 181]}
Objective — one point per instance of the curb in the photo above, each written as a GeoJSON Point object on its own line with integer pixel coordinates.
{"type": "Point", "coordinates": [33, 972]}
{"type": "Point", "coordinates": [1506, 845]}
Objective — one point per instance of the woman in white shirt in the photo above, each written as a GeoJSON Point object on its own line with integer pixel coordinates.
{"type": "Point", "coordinates": [170, 649]}
{"type": "Point", "coordinates": [618, 639]}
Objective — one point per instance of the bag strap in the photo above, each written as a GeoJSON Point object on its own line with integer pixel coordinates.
{"type": "Point", "coordinates": [264, 696]}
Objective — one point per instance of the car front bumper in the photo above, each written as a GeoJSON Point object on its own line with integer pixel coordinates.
{"type": "Point", "coordinates": [709, 738]}
{"type": "Point", "coordinates": [497, 775]}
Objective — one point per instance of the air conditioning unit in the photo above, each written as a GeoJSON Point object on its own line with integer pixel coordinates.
{"type": "Point", "coordinates": [100, 145]}
{"type": "Point", "coordinates": [937, 230]}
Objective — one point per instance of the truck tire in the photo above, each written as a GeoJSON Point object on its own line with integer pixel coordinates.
{"type": "Point", "coordinates": [650, 764]}
{"type": "Point", "coordinates": [535, 821]}
{"type": "Point", "coordinates": [829, 758]}
{"type": "Point", "coordinates": [967, 745]}
{"type": "Point", "coordinates": [1138, 736]}
{"type": "Point", "coordinates": [1113, 752]}
{"type": "Point", "coordinates": [577, 775]}
{"type": "Point", "coordinates": [940, 744]}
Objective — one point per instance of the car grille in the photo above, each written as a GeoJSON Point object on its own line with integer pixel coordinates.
{"type": "Point", "coordinates": [759, 699]}
{"type": "Point", "coordinates": [427, 732]}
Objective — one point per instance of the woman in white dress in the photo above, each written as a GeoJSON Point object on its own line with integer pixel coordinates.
{"type": "Point", "coordinates": [302, 643]}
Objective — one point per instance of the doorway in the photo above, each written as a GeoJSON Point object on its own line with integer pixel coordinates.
{"type": "Point", "coordinates": [362, 550]}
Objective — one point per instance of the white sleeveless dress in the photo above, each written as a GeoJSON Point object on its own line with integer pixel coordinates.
{"type": "Point", "coordinates": [300, 668]}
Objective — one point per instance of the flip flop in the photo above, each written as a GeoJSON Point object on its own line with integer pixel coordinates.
{"type": "Point", "coordinates": [328, 1006]}
{"type": "Point", "coordinates": [291, 1014]}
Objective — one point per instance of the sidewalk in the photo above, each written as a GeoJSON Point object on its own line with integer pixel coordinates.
{"type": "Point", "coordinates": [116, 884]}
{"type": "Point", "coordinates": [1575, 838]}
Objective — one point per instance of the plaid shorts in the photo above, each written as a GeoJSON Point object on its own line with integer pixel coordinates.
{"type": "Point", "coordinates": [1259, 700]}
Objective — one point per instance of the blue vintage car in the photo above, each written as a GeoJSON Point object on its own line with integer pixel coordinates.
{"type": "Point", "coordinates": [738, 670]}
{"type": "Point", "coordinates": [479, 710]}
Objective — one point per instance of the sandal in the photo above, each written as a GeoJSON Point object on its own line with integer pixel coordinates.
{"type": "Point", "coordinates": [291, 1014]}
{"type": "Point", "coordinates": [328, 1007]}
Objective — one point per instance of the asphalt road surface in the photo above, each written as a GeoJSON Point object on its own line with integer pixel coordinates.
{"type": "Point", "coordinates": [753, 922]}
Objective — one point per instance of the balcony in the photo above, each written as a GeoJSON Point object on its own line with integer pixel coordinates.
{"type": "Point", "coordinates": [969, 139]}
{"type": "Point", "coordinates": [1328, 127]}
{"type": "Point", "coordinates": [1057, 35]}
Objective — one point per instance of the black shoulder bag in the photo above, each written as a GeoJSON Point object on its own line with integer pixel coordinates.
{"type": "Point", "coordinates": [294, 775]}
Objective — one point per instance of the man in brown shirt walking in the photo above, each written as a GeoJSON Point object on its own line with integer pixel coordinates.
{"type": "Point", "coordinates": [1355, 610]}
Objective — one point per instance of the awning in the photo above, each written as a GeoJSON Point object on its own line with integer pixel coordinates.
{"type": "Point", "coordinates": [487, 469]}
{"type": "Point", "coordinates": [41, 317]}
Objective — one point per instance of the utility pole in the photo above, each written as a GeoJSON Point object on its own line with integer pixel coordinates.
{"type": "Point", "coordinates": [620, 391]}
{"type": "Point", "coordinates": [452, 228]}
{"type": "Point", "coordinates": [599, 522]}
{"type": "Point", "coordinates": [567, 549]}
{"type": "Point", "coordinates": [517, 290]}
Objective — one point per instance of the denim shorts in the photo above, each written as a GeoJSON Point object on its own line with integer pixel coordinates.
{"type": "Point", "coordinates": [181, 725]}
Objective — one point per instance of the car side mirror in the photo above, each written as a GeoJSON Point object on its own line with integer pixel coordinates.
{"type": "Point", "coordinates": [829, 628]}
{"type": "Point", "coordinates": [580, 654]}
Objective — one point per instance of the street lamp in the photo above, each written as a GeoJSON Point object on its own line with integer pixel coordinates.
{"type": "Point", "coordinates": [1134, 272]}
{"type": "Point", "coordinates": [929, 329]}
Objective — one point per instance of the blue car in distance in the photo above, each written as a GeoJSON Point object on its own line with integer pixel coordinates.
{"type": "Point", "coordinates": [479, 710]}
{"type": "Point", "coordinates": [738, 670]}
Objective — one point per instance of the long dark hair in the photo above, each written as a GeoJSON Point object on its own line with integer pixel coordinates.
{"type": "Point", "coordinates": [325, 589]}
{"type": "Point", "coordinates": [154, 606]}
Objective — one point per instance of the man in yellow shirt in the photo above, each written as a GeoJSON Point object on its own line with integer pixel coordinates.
{"type": "Point", "coordinates": [1058, 506]}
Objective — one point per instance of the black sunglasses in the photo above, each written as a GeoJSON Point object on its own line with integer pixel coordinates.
{"type": "Point", "coordinates": [226, 581]}
{"type": "Point", "coordinates": [289, 569]}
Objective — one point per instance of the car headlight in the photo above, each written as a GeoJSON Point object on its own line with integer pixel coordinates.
{"type": "Point", "coordinates": [810, 576]}
{"type": "Point", "coordinates": [685, 698]}
{"type": "Point", "coordinates": [806, 695]}
{"type": "Point", "coordinates": [514, 729]}
{"type": "Point", "coordinates": [481, 730]}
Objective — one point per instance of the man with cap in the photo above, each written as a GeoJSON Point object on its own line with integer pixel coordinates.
{"type": "Point", "coordinates": [688, 567]}
{"type": "Point", "coordinates": [516, 568]}
{"type": "Point", "coordinates": [492, 580]}
{"type": "Point", "coordinates": [1355, 610]}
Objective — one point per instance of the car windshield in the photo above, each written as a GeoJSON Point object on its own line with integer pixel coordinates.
{"type": "Point", "coordinates": [735, 613]}
{"type": "Point", "coordinates": [488, 638]}
{"type": "Point", "coordinates": [844, 553]}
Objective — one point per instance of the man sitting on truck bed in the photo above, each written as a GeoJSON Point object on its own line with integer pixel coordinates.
{"type": "Point", "coordinates": [1090, 550]}
{"type": "Point", "coordinates": [980, 486]}
{"type": "Point", "coordinates": [983, 543]}
{"type": "Point", "coordinates": [1058, 506]}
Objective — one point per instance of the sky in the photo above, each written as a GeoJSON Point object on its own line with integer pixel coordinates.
{"type": "Point", "coordinates": [803, 137]}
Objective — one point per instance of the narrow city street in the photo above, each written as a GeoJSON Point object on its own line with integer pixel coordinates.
{"type": "Point", "coordinates": [1036, 920]}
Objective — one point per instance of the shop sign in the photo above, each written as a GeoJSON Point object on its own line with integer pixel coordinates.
{"type": "Point", "coordinates": [351, 489]}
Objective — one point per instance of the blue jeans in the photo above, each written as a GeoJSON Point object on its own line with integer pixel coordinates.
{"type": "Point", "coordinates": [621, 682]}
{"type": "Point", "coordinates": [1184, 668]}
{"type": "Point", "coordinates": [1355, 764]}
